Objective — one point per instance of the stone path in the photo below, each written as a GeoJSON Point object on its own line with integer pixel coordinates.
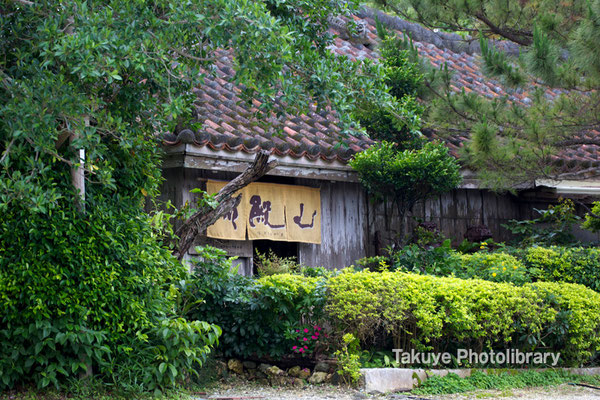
{"type": "Point", "coordinates": [324, 392]}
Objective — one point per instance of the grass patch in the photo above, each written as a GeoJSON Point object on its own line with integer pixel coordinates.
{"type": "Point", "coordinates": [503, 381]}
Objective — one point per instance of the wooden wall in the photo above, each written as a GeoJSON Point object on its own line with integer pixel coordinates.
{"type": "Point", "coordinates": [452, 213]}
{"type": "Point", "coordinates": [353, 227]}
{"type": "Point", "coordinates": [343, 219]}
{"type": "Point", "coordinates": [343, 226]}
{"type": "Point", "coordinates": [455, 211]}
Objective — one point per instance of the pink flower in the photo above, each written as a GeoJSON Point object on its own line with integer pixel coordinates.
{"type": "Point", "coordinates": [294, 348]}
{"type": "Point", "coordinates": [298, 330]}
{"type": "Point", "coordinates": [305, 330]}
{"type": "Point", "coordinates": [314, 337]}
{"type": "Point", "coordinates": [317, 327]}
{"type": "Point", "coordinates": [305, 339]}
{"type": "Point", "coordinates": [306, 347]}
{"type": "Point", "coordinates": [301, 350]}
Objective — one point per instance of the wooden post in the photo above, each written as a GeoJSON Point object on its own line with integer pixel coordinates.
{"type": "Point", "coordinates": [78, 171]}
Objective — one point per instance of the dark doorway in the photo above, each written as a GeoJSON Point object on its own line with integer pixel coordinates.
{"type": "Point", "coordinates": [280, 249]}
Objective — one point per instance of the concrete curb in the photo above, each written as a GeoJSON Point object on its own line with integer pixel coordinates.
{"type": "Point", "coordinates": [384, 380]}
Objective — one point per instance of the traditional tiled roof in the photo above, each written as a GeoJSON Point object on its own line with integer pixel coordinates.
{"type": "Point", "coordinates": [229, 124]}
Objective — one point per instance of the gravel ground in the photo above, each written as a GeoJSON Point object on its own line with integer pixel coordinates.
{"type": "Point", "coordinates": [247, 391]}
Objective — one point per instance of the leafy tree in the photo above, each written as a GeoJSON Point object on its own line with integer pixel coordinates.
{"type": "Point", "coordinates": [401, 168]}
{"type": "Point", "coordinates": [406, 177]}
{"type": "Point", "coordinates": [404, 78]}
{"type": "Point", "coordinates": [554, 45]}
{"type": "Point", "coordinates": [86, 87]}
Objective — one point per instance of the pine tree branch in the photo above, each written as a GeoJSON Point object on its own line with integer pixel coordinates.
{"type": "Point", "coordinates": [516, 37]}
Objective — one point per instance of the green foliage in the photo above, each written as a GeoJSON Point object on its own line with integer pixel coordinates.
{"type": "Point", "coordinates": [378, 359]}
{"type": "Point", "coordinates": [498, 65]}
{"type": "Point", "coordinates": [581, 341]}
{"type": "Point", "coordinates": [80, 291]}
{"type": "Point", "coordinates": [256, 315]}
{"type": "Point", "coordinates": [348, 357]}
{"type": "Point", "coordinates": [592, 221]}
{"type": "Point", "coordinates": [406, 177]}
{"type": "Point", "coordinates": [271, 264]}
{"type": "Point", "coordinates": [375, 263]}
{"type": "Point", "coordinates": [514, 265]}
{"type": "Point", "coordinates": [426, 312]}
{"type": "Point", "coordinates": [565, 264]}
{"type": "Point", "coordinates": [403, 75]}
{"type": "Point", "coordinates": [440, 260]}
{"type": "Point", "coordinates": [86, 282]}
{"type": "Point", "coordinates": [495, 267]}
{"type": "Point", "coordinates": [501, 380]}
{"type": "Point", "coordinates": [403, 78]}
{"type": "Point", "coordinates": [554, 226]}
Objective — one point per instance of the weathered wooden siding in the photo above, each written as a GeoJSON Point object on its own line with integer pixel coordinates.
{"type": "Point", "coordinates": [343, 226]}
{"type": "Point", "coordinates": [353, 227]}
{"type": "Point", "coordinates": [343, 220]}
{"type": "Point", "coordinates": [452, 213]}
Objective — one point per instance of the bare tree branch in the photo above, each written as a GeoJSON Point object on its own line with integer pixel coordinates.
{"type": "Point", "coordinates": [587, 209]}
{"type": "Point", "coordinates": [191, 57]}
{"type": "Point", "coordinates": [25, 2]}
{"type": "Point", "coordinates": [202, 219]}
{"type": "Point", "coordinates": [5, 154]}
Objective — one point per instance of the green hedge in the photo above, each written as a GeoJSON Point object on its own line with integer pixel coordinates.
{"type": "Point", "coordinates": [495, 267]}
{"type": "Point", "coordinates": [546, 264]}
{"type": "Point", "coordinates": [388, 310]}
{"type": "Point", "coordinates": [565, 264]}
{"type": "Point", "coordinates": [427, 312]}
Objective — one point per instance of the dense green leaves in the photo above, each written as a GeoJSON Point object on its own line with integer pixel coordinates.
{"type": "Point", "coordinates": [108, 77]}
{"type": "Point", "coordinates": [129, 69]}
{"type": "Point", "coordinates": [406, 177]}
{"type": "Point", "coordinates": [256, 315]}
{"type": "Point", "coordinates": [402, 75]}
{"type": "Point", "coordinates": [434, 313]}
{"type": "Point", "coordinates": [90, 291]}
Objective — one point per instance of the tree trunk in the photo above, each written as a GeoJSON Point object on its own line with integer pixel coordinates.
{"type": "Point", "coordinates": [205, 217]}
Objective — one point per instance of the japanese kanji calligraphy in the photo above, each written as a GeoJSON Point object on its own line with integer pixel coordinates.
{"type": "Point", "coordinates": [271, 211]}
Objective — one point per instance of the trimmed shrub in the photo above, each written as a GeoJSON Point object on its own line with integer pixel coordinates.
{"type": "Point", "coordinates": [579, 308]}
{"type": "Point", "coordinates": [426, 312]}
{"type": "Point", "coordinates": [565, 264]}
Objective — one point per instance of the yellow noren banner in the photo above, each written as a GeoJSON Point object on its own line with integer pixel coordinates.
{"type": "Point", "coordinates": [271, 211]}
{"type": "Point", "coordinates": [233, 224]}
{"type": "Point", "coordinates": [303, 214]}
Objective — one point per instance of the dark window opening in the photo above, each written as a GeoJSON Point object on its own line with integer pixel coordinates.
{"type": "Point", "coordinates": [280, 249]}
